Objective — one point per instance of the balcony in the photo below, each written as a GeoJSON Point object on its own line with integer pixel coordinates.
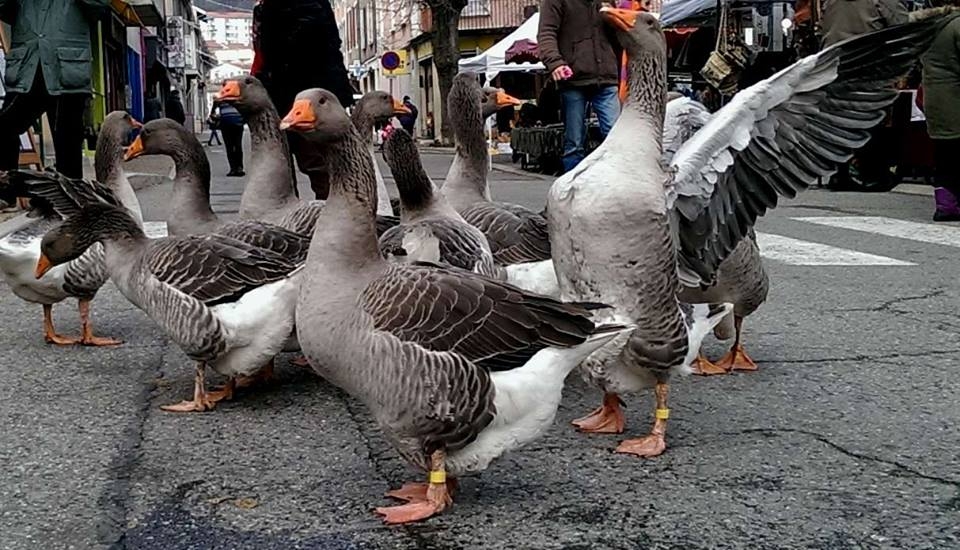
{"type": "Point", "coordinates": [149, 11]}
{"type": "Point", "coordinates": [480, 15]}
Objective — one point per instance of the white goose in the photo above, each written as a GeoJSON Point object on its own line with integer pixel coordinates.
{"type": "Point", "coordinates": [53, 198]}
{"type": "Point", "coordinates": [628, 231]}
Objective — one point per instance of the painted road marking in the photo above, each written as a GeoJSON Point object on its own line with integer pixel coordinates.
{"type": "Point", "coordinates": [775, 247]}
{"type": "Point", "coordinates": [948, 235]}
{"type": "Point", "coordinates": [155, 229]}
{"type": "Point", "coordinates": [798, 252]}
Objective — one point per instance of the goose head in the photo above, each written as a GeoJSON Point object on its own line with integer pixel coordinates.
{"type": "Point", "coordinates": [247, 94]}
{"type": "Point", "coordinates": [92, 224]}
{"type": "Point", "coordinates": [118, 126]}
{"type": "Point", "coordinates": [381, 105]}
{"type": "Point", "coordinates": [160, 137]}
{"type": "Point", "coordinates": [493, 99]}
{"type": "Point", "coordinates": [318, 115]}
{"type": "Point", "coordinates": [639, 32]}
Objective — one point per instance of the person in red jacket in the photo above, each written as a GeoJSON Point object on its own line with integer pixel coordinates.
{"type": "Point", "coordinates": [297, 46]}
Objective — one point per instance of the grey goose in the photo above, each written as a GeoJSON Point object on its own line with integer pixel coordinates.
{"type": "Point", "coordinates": [628, 231]}
{"type": "Point", "coordinates": [455, 367]}
{"type": "Point", "coordinates": [229, 305]}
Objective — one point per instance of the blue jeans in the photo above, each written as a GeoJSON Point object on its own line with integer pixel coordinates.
{"type": "Point", "coordinates": [605, 104]}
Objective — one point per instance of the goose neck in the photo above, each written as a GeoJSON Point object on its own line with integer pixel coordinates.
{"type": "Point", "coordinates": [647, 88]}
{"type": "Point", "coordinates": [271, 183]}
{"type": "Point", "coordinates": [108, 159]}
{"type": "Point", "coordinates": [347, 226]}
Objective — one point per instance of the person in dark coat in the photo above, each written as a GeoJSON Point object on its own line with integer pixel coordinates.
{"type": "Point", "coordinates": [408, 120]}
{"type": "Point", "coordinates": [297, 47]}
{"type": "Point", "coordinates": [174, 107]}
{"type": "Point", "coordinates": [231, 126]}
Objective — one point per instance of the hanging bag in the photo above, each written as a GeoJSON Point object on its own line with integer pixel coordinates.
{"type": "Point", "coordinates": [722, 69]}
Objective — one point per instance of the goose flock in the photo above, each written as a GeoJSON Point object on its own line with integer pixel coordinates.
{"type": "Point", "coordinates": [457, 319]}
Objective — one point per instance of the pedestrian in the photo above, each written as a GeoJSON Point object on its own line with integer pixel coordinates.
{"type": "Point", "coordinates": [213, 122]}
{"type": "Point", "coordinates": [174, 107]}
{"type": "Point", "coordinates": [231, 124]}
{"type": "Point", "coordinates": [297, 46]}
{"type": "Point", "coordinates": [845, 18]}
{"type": "Point", "coordinates": [587, 75]}
{"type": "Point", "coordinates": [48, 70]}
{"type": "Point", "coordinates": [941, 106]}
{"type": "Point", "coordinates": [408, 120]}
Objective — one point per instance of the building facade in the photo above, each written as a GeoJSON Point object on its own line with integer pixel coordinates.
{"type": "Point", "coordinates": [370, 28]}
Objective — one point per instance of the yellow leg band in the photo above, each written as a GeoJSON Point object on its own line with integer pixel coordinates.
{"type": "Point", "coordinates": [438, 476]}
{"type": "Point", "coordinates": [662, 414]}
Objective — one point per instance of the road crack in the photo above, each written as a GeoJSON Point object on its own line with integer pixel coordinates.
{"type": "Point", "coordinates": [899, 466]}
{"type": "Point", "coordinates": [115, 499]}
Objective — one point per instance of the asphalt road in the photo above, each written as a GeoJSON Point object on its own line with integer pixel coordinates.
{"type": "Point", "coordinates": [847, 436]}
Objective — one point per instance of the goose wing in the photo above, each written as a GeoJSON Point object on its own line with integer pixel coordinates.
{"type": "Point", "coordinates": [53, 194]}
{"type": "Point", "coordinates": [516, 234]}
{"type": "Point", "coordinates": [215, 269]}
{"type": "Point", "coordinates": [457, 243]}
{"type": "Point", "coordinates": [290, 245]}
{"type": "Point", "coordinates": [492, 324]}
{"type": "Point", "coordinates": [684, 117]}
{"type": "Point", "coordinates": [779, 136]}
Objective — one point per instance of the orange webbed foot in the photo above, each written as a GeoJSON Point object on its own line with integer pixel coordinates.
{"type": "Point", "coordinates": [703, 367]}
{"type": "Point", "coordinates": [646, 447]}
{"type": "Point", "coordinates": [606, 419]}
{"type": "Point", "coordinates": [738, 360]}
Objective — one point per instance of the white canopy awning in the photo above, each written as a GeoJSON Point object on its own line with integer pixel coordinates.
{"type": "Point", "coordinates": [492, 62]}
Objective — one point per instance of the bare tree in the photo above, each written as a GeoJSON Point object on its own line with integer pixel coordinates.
{"type": "Point", "coordinates": [445, 20]}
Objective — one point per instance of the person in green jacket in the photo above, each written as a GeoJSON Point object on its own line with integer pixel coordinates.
{"type": "Point", "coordinates": [48, 71]}
{"type": "Point", "coordinates": [941, 105]}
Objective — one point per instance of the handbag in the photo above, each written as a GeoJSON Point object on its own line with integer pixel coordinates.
{"type": "Point", "coordinates": [722, 69]}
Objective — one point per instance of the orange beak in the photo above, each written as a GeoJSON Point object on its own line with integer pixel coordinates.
{"type": "Point", "coordinates": [229, 91]}
{"type": "Point", "coordinates": [300, 118]}
{"type": "Point", "coordinates": [399, 108]}
{"type": "Point", "coordinates": [43, 265]}
{"type": "Point", "coordinates": [134, 150]}
{"type": "Point", "coordinates": [623, 20]}
{"type": "Point", "coordinates": [504, 99]}
{"type": "Point", "coordinates": [134, 123]}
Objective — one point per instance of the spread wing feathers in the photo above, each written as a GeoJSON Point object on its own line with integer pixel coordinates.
{"type": "Point", "coordinates": [516, 234]}
{"type": "Point", "coordinates": [779, 136]}
{"type": "Point", "coordinates": [683, 118]}
{"type": "Point", "coordinates": [458, 244]}
{"type": "Point", "coordinates": [290, 245]}
{"type": "Point", "coordinates": [52, 193]}
{"type": "Point", "coordinates": [215, 269]}
{"type": "Point", "coordinates": [492, 324]}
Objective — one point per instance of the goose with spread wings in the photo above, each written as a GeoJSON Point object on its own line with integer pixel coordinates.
{"type": "Point", "coordinates": [628, 231]}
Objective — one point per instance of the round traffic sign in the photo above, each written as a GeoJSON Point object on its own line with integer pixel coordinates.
{"type": "Point", "coordinates": [390, 61]}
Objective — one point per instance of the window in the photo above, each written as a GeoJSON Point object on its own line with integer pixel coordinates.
{"type": "Point", "coordinates": [476, 8]}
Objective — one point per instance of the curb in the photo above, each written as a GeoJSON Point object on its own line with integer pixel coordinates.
{"type": "Point", "coordinates": [521, 172]}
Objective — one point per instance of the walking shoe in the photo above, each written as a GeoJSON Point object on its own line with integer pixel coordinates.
{"type": "Point", "coordinates": [948, 210]}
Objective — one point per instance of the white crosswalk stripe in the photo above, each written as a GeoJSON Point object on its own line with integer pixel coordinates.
{"type": "Point", "coordinates": [948, 235]}
{"type": "Point", "coordinates": [155, 229]}
{"type": "Point", "coordinates": [798, 252]}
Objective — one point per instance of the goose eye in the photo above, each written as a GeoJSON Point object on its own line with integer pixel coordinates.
{"type": "Point", "coordinates": [323, 100]}
{"type": "Point", "coordinates": [248, 81]}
